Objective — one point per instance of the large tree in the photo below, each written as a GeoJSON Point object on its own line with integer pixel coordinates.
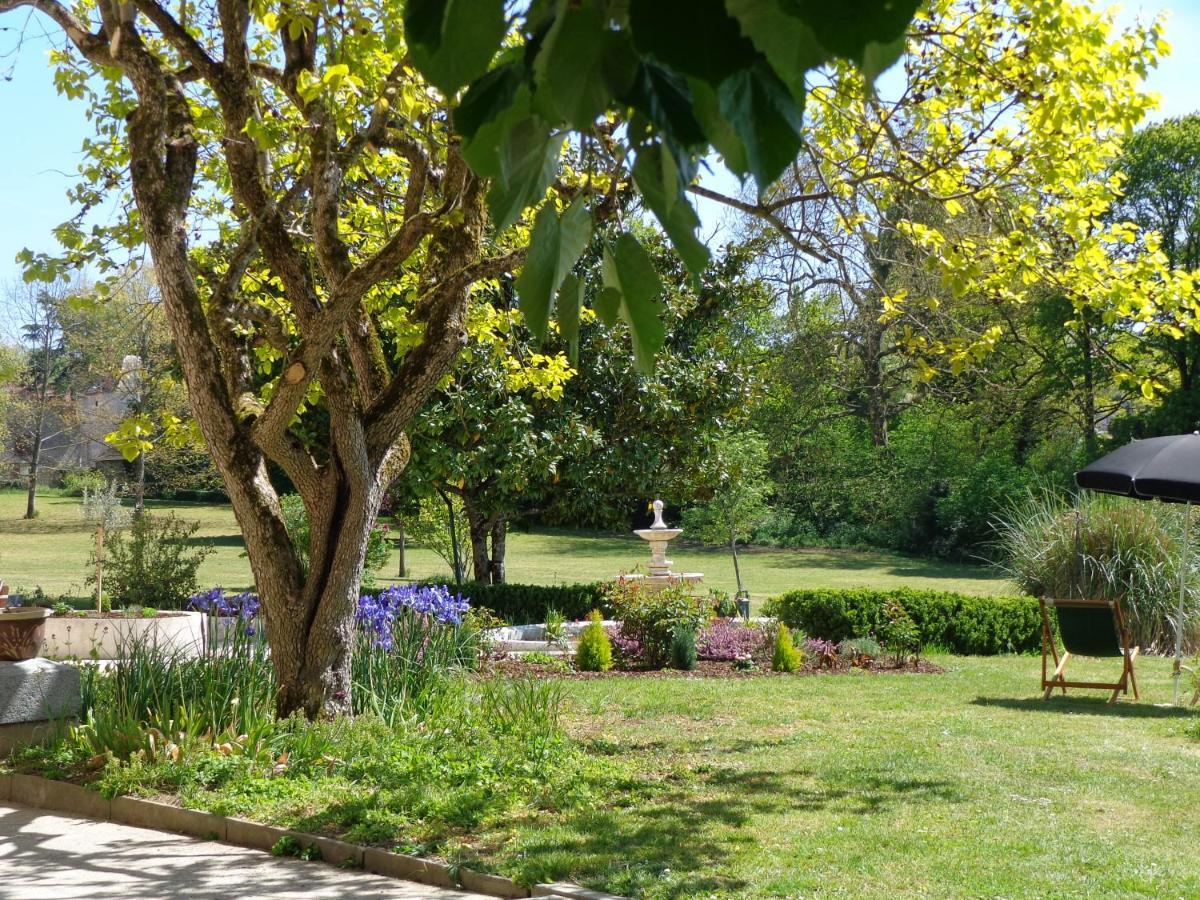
{"type": "Point", "coordinates": [319, 200]}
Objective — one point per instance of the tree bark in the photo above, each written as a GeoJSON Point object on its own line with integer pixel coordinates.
{"type": "Point", "coordinates": [499, 541]}
{"type": "Point", "coordinates": [35, 455]}
{"type": "Point", "coordinates": [139, 484]}
{"type": "Point", "coordinates": [737, 569]}
{"type": "Point", "coordinates": [478, 528]}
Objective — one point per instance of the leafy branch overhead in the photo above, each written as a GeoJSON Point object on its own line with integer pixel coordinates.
{"type": "Point", "coordinates": [643, 90]}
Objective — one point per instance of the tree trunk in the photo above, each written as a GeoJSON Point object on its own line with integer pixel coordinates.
{"type": "Point", "coordinates": [35, 457]}
{"type": "Point", "coordinates": [401, 569]}
{"type": "Point", "coordinates": [499, 537]}
{"type": "Point", "coordinates": [139, 481]}
{"type": "Point", "coordinates": [737, 569]}
{"type": "Point", "coordinates": [477, 527]}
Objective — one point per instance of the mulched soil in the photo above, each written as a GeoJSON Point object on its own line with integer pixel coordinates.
{"type": "Point", "coordinates": [708, 669]}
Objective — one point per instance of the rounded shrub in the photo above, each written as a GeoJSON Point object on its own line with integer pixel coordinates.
{"type": "Point", "coordinates": [594, 653]}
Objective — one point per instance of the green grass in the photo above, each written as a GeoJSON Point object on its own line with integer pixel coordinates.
{"type": "Point", "coordinates": [52, 551]}
{"type": "Point", "coordinates": [965, 784]}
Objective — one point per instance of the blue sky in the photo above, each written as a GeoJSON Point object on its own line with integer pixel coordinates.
{"type": "Point", "coordinates": [40, 149]}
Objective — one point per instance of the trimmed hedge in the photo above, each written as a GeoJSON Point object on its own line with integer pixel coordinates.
{"type": "Point", "coordinates": [526, 604]}
{"type": "Point", "coordinates": [960, 623]}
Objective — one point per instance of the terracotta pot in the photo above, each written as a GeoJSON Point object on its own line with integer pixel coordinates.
{"type": "Point", "coordinates": [21, 631]}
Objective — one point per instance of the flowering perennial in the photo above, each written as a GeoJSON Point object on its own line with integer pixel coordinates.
{"type": "Point", "coordinates": [215, 602]}
{"type": "Point", "coordinates": [377, 613]}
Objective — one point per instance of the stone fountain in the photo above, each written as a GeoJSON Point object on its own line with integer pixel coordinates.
{"type": "Point", "coordinates": [658, 535]}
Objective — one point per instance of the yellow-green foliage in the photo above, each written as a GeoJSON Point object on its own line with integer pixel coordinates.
{"type": "Point", "coordinates": [594, 653]}
{"type": "Point", "coordinates": [787, 657]}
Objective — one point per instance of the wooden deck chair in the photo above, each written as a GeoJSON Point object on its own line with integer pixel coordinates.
{"type": "Point", "coordinates": [1087, 628]}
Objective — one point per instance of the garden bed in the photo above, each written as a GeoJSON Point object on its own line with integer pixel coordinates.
{"type": "Point", "coordinates": [706, 668]}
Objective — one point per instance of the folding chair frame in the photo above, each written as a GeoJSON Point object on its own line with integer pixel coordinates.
{"type": "Point", "coordinates": [1050, 649]}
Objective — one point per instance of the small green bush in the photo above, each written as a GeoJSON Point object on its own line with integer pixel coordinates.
{"type": "Point", "coordinates": [154, 563]}
{"type": "Point", "coordinates": [594, 653]}
{"type": "Point", "coordinates": [651, 617]}
{"type": "Point", "coordinates": [899, 632]}
{"type": "Point", "coordinates": [683, 649]}
{"type": "Point", "coordinates": [76, 481]}
{"type": "Point", "coordinates": [961, 623]}
{"type": "Point", "coordinates": [786, 656]}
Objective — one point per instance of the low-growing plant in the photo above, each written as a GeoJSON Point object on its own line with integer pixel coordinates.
{"type": "Point", "coordinates": [683, 648]}
{"type": "Point", "coordinates": [823, 651]}
{"type": "Point", "coordinates": [858, 651]}
{"type": "Point", "coordinates": [76, 481]}
{"type": "Point", "coordinates": [652, 616]}
{"type": "Point", "coordinates": [730, 639]}
{"type": "Point", "coordinates": [594, 652]}
{"type": "Point", "coordinates": [554, 625]}
{"type": "Point", "coordinates": [785, 655]}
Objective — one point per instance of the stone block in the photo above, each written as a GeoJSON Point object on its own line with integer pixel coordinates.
{"type": "Point", "coordinates": [23, 734]}
{"type": "Point", "coordinates": [165, 817]}
{"type": "Point", "coordinates": [33, 790]}
{"type": "Point", "coordinates": [495, 885]}
{"type": "Point", "coordinates": [412, 868]}
{"type": "Point", "coordinates": [35, 690]}
{"type": "Point", "coordinates": [571, 891]}
{"type": "Point", "coordinates": [333, 851]}
{"type": "Point", "coordinates": [252, 834]}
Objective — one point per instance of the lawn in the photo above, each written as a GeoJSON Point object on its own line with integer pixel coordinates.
{"type": "Point", "coordinates": [53, 550]}
{"type": "Point", "coordinates": [963, 784]}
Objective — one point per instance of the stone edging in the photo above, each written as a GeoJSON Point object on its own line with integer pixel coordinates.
{"type": "Point", "coordinates": [62, 796]}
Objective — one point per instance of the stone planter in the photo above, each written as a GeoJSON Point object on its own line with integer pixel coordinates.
{"type": "Point", "coordinates": [110, 637]}
{"type": "Point", "coordinates": [21, 632]}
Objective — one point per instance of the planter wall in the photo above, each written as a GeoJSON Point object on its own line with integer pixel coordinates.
{"type": "Point", "coordinates": [73, 637]}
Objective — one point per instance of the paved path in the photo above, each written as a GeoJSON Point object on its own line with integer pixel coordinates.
{"type": "Point", "coordinates": [52, 856]}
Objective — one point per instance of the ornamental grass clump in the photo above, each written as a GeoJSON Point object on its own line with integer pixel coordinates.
{"type": "Point", "coordinates": [595, 652]}
{"type": "Point", "coordinates": [785, 656]}
{"type": "Point", "coordinates": [683, 649]}
{"type": "Point", "coordinates": [1104, 548]}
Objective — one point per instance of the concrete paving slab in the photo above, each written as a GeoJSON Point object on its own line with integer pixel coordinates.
{"type": "Point", "coordinates": [52, 856]}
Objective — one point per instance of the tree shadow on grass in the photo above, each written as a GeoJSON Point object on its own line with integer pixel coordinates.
{"type": "Point", "coordinates": [216, 540]}
{"type": "Point", "coordinates": [1090, 706]}
{"type": "Point", "coordinates": [635, 838]}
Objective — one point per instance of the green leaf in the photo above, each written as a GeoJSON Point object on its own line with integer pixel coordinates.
{"type": "Point", "coordinates": [765, 116]}
{"type": "Point", "coordinates": [657, 179]}
{"type": "Point", "coordinates": [489, 98]}
{"type": "Point", "coordinates": [554, 246]}
{"type": "Point", "coordinates": [452, 42]}
{"type": "Point", "coordinates": [640, 290]}
{"type": "Point", "coordinates": [665, 99]}
{"type": "Point", "coordinates": [570, 302]}
{"type": "Point", "coordinates": [528, 161]}
{"type": "Point", "coordinates": [878, 56]}
{"type": "Point", "coordinates": [570, 66]}
{"type": "Point", "coordinates": [848, 34]}
{"type": "Point", "coordinates": [694, 37]}
{"type": "Point", "coordinates": [785, 39]}
{"type": "Point", "coordinates": [719, 132]}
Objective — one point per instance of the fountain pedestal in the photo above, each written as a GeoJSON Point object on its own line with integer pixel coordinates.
{"type": "Point", "coordinates": [658, 535]}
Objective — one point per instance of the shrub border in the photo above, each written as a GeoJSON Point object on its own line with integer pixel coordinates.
{"type": "Point", "coordinates": [63, 796]}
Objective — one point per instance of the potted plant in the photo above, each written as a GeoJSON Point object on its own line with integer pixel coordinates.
{"type": "Point", "coordinates": [21, 629]}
